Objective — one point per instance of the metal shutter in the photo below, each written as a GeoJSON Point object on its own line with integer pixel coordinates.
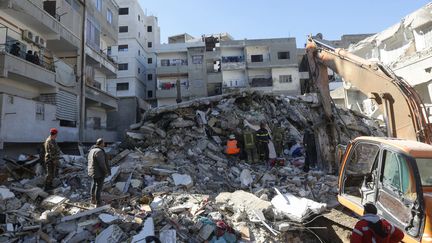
{"type": "Point", "coordinates": [66, 106]}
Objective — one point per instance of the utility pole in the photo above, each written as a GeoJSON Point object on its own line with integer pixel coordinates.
{"type": "Point", "coordinates": [82, 111]}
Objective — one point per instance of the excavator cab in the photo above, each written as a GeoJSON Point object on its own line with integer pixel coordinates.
{"type": "Point", "coordinates": [395, 175]}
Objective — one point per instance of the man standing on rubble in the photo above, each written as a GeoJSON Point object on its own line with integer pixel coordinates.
{"type": "Point", "coordinates": [373, 229]}
{"type": "Point", "coordinates": [263, 138]}
{"type": "Point", "coordinates": [310, 148]}
{"type": "Point", "coordinates": [98, 169]}
{"type": "Point", "coordinates": [52, 157]}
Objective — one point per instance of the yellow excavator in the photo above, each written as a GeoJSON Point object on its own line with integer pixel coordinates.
{"type": "Point", "coordinates": [394, 172]}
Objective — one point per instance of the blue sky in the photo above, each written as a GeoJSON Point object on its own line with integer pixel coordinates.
{"type": "Point", "coordinates": [277, 18]}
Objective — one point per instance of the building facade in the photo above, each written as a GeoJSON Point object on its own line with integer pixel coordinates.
{"type": "Point", "coordinates": [138, 35]}
{"type": "Point", "coordinates": [41, 91]}
{"type": "Point", "coordinates": [190, 67]}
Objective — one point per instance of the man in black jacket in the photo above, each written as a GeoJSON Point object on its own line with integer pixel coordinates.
{"type": "Point", "coordinates": [98, 169]}
{"type": "Point", "coordinates": [310, 148]}
{"type": "Point", "coordinates": [263, 139]}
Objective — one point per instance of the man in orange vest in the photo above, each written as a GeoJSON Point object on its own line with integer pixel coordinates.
{"type": "Point", "coordinates": [231, 148]}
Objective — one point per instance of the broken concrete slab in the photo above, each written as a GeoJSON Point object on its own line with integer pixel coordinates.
{"type": "Point", "coordinates": [108, 218]}
{"type": "Point", "coordinates": [85, 213]}
{"type": "Point", "coordinates": [181, 123]}
{"type": "Point", "coordinates": [147, 230]}
{"type": "Point", "coordinates": [180, 208]}
{"type": "Point", "coordinates": [246, 178]}
{"type": "Point", "coordinates": [5, 193]}
{"type": "Point", "coordinates": [182, 180]}
{"type": "Point", "coordinates": [168, 236]}
{"type": "Point", "coordinates": [241, 200]}
{"type": "Point", "coordinates": [52, 201]}
{"type": "Point", "coordinates": [66, 227]}
{"type": "Point", "coordinates": [112, 234]}
{"type": "Point", "coordinates": [295, 208]}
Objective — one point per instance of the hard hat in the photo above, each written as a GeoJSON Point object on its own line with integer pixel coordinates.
{"type": "Point", "coordinates": [53, 131]}
{"type": "Point", "coordinates": [232, 136]}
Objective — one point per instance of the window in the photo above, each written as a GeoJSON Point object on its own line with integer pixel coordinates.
{"type": "Point", "coordinates": [150, 44]}
{"type": "Point", "coordinates": [165, 62]}
{"type": "Point", "coordinates": [123, 48]}
{"type": "Point", "coordinates": [197, 59]}
{"type": "Point", "coordinates": [122, 86]}
{"type": "Point", "coordinates": [139, 70]}
{"type": "Point", "coordinates": [40, 111]}
{"type": "Point", "coordinates": [425, 169]}
{"type": "Point", "coordinates": [123, 11]}
{"type": "Point", "coordinates": [123, 66]}
{"type": "Point", "coordinates": [109, 16]}
{"type": "Point", "coordinates": [362, 159]}
{"type": "Point", "coordinates": [139, 34]}
{"type": "Point", "coordinates": [284, 55]}
{"type": "Point", "coordinates": [109, 50]}
{"type": "Point", "coordinates": [149, 94]}
{"type": "Point", "coordinates": [149, 77]}
{"type": "Point", "coordinates": [150, 28]}
{"type": "Point", "coordinates": [123, 29]}
{"type": "Point", "coordinates": [285, 78]}
{"type": "Point", "coordinates": [139, 52]}
{"type": "Point", "coordinates": [99, 5]}
{"type": "Point", "coordinates": [395, 174]}
{"type": "Point", "coordinates": [149, 60]}
{"type": "Point", "coordinates": [257, 58]}
{"type": "Point", "coordinates": [139, 17]}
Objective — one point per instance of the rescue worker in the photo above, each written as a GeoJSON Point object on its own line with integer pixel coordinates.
{"type": "Point", "coordinates": [98, 169]}
{"type": "Point", "coordinates": [231, 148]}
{"type": "Point", "coordinates": [263, 138]}
{"type": "Point", "coordinates": [373, 229]}
{"type": "Point", "coordinates": [52, 157]}
{"type": "Point", "coordinates": [310, 148]}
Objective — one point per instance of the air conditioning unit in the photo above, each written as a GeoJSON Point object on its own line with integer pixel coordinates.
{"type": "Point", "coordinates": [40, 41]}
{"type": "Point", "coordinates": [28, 36]}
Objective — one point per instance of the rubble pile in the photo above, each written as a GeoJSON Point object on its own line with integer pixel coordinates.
{"type": "Point", "coordinates": [171, 179]}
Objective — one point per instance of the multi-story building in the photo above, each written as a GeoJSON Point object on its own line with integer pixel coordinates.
{"type": "Point", "coordinates": [101, 33]}
{"type": "Point", "coordinates": [135, 82]}
{"type": "Point", "coordinates": [37, 93]}
{"type": "Point", "coordinates": [189, 68]}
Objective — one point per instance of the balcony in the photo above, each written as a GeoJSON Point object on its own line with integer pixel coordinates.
{"type": "Point", "coordinates": [172, 67]}
{"type": "Point", "coordinates": [233, 63]}
{"type": "Point", "coordinates": [214, 78]}
{"type": "Point", "coordinates": [99, 98]}
{"type": "Point", "coordinates": [32, 14]}
{"type": "Point", "coordinates": [169, 90]}
{"type": "Point", "coordinates": [18, 69]}
{"type": "Point", "coordinates": [101, 60]}
{"type": "Point", "coordinates": [261, 81]}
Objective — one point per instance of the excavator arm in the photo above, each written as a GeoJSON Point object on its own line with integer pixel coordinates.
{"type": "Point", "coordinates": [399, 102]}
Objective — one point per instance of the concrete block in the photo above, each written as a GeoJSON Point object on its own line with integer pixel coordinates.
{"type": "Point", "coordinates": [112, 234]}
{"type": "Point", "coordinates": [182, 180]}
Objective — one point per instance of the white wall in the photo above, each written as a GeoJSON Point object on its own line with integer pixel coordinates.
{"type": "Point", "coordinates": [97, 112]}
{"type": "Point", "coordinates": [17, 117]}
{"type": "Point", "coordinates": [258, 50]}
{"type": "Point", "coordinates": [238, 75]}
{"type": "Point", "coordinates": [294, 86]}
{"type": "Point", "coordinates": [226, 51]}
{"type": "Point", "coordinates": [171, 55]}
{"type": "Point", "coordinates": [259, 72]}
{"type": "Point", "coordinates": [167, 101]}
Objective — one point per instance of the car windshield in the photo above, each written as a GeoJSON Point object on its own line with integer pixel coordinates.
{"type": "Point", "coordinates": [425, 168]}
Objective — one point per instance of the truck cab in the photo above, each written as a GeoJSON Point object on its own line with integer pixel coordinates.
{"type": "Point", "coordinates": [395, 175]}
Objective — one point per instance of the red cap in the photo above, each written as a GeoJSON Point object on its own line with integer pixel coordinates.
{"type": "Point", "coordinates": [53, 131]}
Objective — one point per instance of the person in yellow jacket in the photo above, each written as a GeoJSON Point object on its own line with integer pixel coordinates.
{"type": "Point", "coordinates": [231, 148]}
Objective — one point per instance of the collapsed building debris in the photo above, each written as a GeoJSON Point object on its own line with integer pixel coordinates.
{"type": "Point", "coordinates": [171, 179]}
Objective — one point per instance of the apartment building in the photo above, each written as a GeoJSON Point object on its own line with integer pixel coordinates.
{"type": "Point", "coordinates": [37, 93]}
{"type": "Point", "coordinates": [189, 67]}
{"type": "Point", "coordinates": [101, 33]}
{"type": "Point", "coordinates": [135, 81]}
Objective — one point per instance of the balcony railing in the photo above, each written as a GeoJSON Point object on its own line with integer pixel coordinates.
{"type": "Point", "coordinates": [173, 62]}
{"type": "Point", "coordinates": [43, 61]}
{"type": "Point", "coordinates": [235, 83]}
{"type": "Point", "coordinates": [233, 59]}
{"type": "Point", "coordinates": [172, 85]}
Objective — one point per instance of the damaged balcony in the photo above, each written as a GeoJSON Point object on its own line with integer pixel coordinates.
{"type": "Point", "coordinates": [172, 66]}
{"type": "Point", "coordinates": [233, 63]}
{"type": "Point", "coordinates": [214, 77]}
{"type": "Point", "coordinates": [32, 14]}
{"type": "Point", "coordinates": [98, 98]}
{"type": "Point", "coordinates": [102, 61]}
{"type": "Point", "coordinates": [18, 69]}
